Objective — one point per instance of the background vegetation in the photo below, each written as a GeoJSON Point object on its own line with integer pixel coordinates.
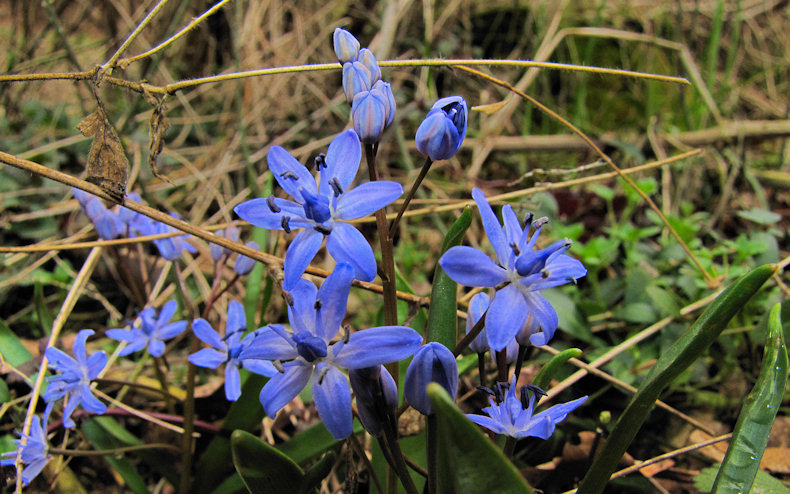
{"type": "Point", "coordinates": [728, 202]}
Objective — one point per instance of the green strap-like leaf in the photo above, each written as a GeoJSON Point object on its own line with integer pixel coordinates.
{"type": "Point", "coordinates": [688, 348]}
{"type": "Point", "coordinates": [547, 372]}
{"type": "Point", "coordinates": [468, 463]}
{"type": "Point", "coordinates": [748, 443]}
{"type": "Point", "coordinates": [442, 319]}
{"type": "Point", "coordinates": [263, 468]}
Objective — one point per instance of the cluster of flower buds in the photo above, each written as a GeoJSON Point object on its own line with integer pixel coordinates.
{"type": "Point", "coordinates": [371, 98]}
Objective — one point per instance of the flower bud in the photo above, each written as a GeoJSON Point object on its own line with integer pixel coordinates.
{"type": "Point", "coordinates": [217, 251]}
{"type": "Point", "coordinates": [245, 264]}
{"type": "Point", "coordinates": [440, 135]}
{"type": "Point", "coordinates": [377, 397]}
{"type": "Point", "coordinates": [367, 59]}
{"type": "Point", "coordinates": [432, 363]}
{"type": "Point", "coordinates": [127, 215]}
{"type": "Point", "coordinates": [369, 115]}
{"type": "Point", "coordinates": [385, 90]}
{"type": "Point", "coordinates": [356, 78]}
{"type": "Point", "coordinates": [346, 45]}
{"type": "Point", "coordinates": [106, 222]}
{"type": "Point", "coordinates": [477, 307]}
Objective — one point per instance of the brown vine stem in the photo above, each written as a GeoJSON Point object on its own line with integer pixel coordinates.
{"type": "Point", "coordinates": [712, 282]}
{"type": "Point", "coordinates": [142, 87]}
{"type": "Point", "coordinates": [268, 259]}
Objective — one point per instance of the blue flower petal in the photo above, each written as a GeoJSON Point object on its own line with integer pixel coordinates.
{"type": "Point", "coordinates": [367, 198]}
{"type": "Point", "coordinates": [488, 423]}
{"type": "Point", "coordinates": [156, 347]}
{"type": "Point", "coordinates": [71, 404]}
{"type": "Point", "coordinates": [58, 359]}
{"type": "Point", "coordinates": [289, 173]}
{"type": "Point", "coordinates": [376, 346]}
{"type": "Point", "coordinates": [237, 320]}
{"type": "Point", "coordinates": [167, 313]}
{"type": "Point", "coordinates": [90, 402]}
{"type": "Point", "coordinates": [332, 299]}
{"type": "Point", "coordinates": [546, 316]}
{"type": "Point", "coordinates": [332, 396]}
{"type": "Point", "coordinates": [347, 244]}
{"type": "Point", "coordinates": [206, 334]}
{"type": "Point", "coordinates": [79, 345]}
{"type": "Point", "coordinates": [262, 367]}
{"type": "Point", "coordinates": [492, 227]}
{"type": "Point", "coordinates": [300, 253]}
{"type": "Point", "coordinates": [471, 267]}
{"type": "Point", "coordinates": [538, 427]}
{"type": "Point", "coordinates": [506, 315]}
{"type": "Point", "coordinates": [301, 314]}
{"type": "Point", "coordinates": [208, 357]}
{"type": "Point", "coordinates": [232, 383]}
{"type": "Point", "coordinates": [171, 330]}
{"type": "Point", "coordinates": [267, 345]}
{"type": "Point", "coordinates": [258, 213]}
{"type": "Point", "coordinates": [560, 271]}
{"type": "Point", "coordinates": [342, 162]}
{"type": "Point", "coordinates": [283, 387]}
{"type": "Point", "coordinates": [95, 364]}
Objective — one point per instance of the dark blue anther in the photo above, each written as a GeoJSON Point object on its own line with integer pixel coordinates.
{"type": "Point", "coordinates": [335, 184]}
{"type": "Point", "coordinates": [272, 206]}
{"type": "Point", "coordinates": [284, 224]}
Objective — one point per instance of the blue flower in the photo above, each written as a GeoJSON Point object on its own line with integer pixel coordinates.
{"type": "Point", "coordinates": [106, 221]}
{"type": "Point", "coordinates": [228, 350]}
{"type": "Point", "coordinates": [217, 251]}
{"type": "Point", "coordinates": [377, 397]}
{"type": "Point", "coordinates": [513, 416]}
{"type": "Point", "coordinates": [244, 264]}
{"type": "Point", "coordinates": [373, 111]}
{"type": "Point", "coordinates": [152, 333]}
{"type": "Point", "coordinates": [432, 363]}
{"type": "Point", "coordinates": [520, 300]}
{"type": "Point", "coordinates": [33, 449]}
{"type": "Point", "coordinates": [315, 317]}
{"type": "Point", "coordinates": [75, 377]}
{"type": "Point", "coordinates": [441, 133]}
{"type": "Point", "coordinates": [170, 247]}
{"type": "Point", "coordinates": [346, 45]}
{"type": "Point", "coordinates": [321, 209]}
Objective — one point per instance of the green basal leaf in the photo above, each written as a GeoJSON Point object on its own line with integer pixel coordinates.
{"type": "Point", "coordinates": [685, 351]}
{"type": "Point", "coordinates": [101, 439]}
{"type": "Point", "coordinates": [442, 318]}
{"type": "Point", "coordinates": [763, 482]}
{"type": "Point", "coordinates": [467, 461]}
{"type": "Point", "coordinates": [263, 468]}
{"type": "Point", "coordinates": [13, 351]}
{"type": "Point", "coordinates": [750, 438]}
{"type": "Point", "coordinates": [548, 371]}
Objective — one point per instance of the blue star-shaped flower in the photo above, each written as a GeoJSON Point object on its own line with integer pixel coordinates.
{"type": "Point", "coordinates": [75, 377]}
{"type": "Point", "coordinates": [153, 332]}
{"type": "Point", "coordinates": [228, 350]}
{"type": "Point", "coordinates": [513, 416]}
{"type": "Point", "coordinates": [315, 317]}
{"type": "Point", "coordinates": [33, 449]}
{"type": "Point", "coordinates": [524, 271]}
{"type": "Point", "coordinates": [320, 207]}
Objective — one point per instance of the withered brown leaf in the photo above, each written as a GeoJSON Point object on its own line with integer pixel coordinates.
{"type": "Point", "coordinates": [107, 163]}
{"type": "Point", "coordinates": [156, 138]}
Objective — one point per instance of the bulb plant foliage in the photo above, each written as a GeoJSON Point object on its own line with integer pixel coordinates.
{"type": "Point", "coordinates": [349, 368]}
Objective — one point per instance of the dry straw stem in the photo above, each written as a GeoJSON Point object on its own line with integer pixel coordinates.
{"type": "Point", "coordinates": [268, 259]}
{"type": "Point", "coordinates": [64, 313]}
{"type": "Point", "coordinates": [142, 87]}
{"type": "Point", "coordinates": [627, 387]}
{"type": "Point", "coordinates": [712, 282]}
{"type": "Point", "coordinates": [642, 464]}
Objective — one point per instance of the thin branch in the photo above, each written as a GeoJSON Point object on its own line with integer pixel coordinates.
{"type": "Point", "coordinates": [109, 64]}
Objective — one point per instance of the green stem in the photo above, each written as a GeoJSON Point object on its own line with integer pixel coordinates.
{"type": "Point", "coordinates": [481, 368]}
{"type": "Point", "coordinates": [189, 401]}
{"type": "Point", "coordinates": [510, 447]}
{"type": "Point", "coordinates": [160, 376]}
{"type": "Point", "coordinates": [432, 438]}
{"type": "Point", "coordinates": [471, 335]}
{"type": "Point", "coordinates": [423, 172]}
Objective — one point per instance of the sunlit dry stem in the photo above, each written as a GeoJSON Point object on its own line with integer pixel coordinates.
{"type": "Point", "coordinates": [109, 64]}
